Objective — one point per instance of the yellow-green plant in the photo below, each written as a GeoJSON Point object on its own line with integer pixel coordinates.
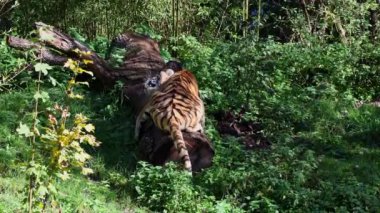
{"type": "Point", "coordinates": [57, 146]}
{"type": "Point", "coordinates": [63, 142]}
{"type": "Point", "coordinates": [74, 65]}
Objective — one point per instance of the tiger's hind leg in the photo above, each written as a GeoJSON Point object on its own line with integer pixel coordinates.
{"type": "Point", "coordinates": [185, 158]}
{"type": "Point", "coordinates": [180, 145]}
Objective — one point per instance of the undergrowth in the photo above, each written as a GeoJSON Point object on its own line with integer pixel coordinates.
{"type": "Point", "coordinates": [324, 155]}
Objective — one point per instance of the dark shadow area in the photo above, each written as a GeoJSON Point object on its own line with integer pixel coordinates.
{"type": "Point", "coordinates": [114, 124]}
{"type": "Point", "coordinates": [250, 133]}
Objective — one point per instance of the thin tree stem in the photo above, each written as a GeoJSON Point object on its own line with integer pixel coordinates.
{"type": "Point", "coordinates": [33, 141]}
{"type": "Point", "coordinates": [258, 21]}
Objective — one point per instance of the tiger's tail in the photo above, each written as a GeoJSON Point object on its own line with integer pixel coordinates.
{"type": "Point", "coordinates": [179, 143]}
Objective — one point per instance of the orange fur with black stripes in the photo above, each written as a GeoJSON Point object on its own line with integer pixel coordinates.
{"type": "Point", "coordinates": [174, 107]}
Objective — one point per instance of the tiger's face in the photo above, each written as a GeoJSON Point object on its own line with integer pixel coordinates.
{"type": "Point", "coordinates": [151, 85]}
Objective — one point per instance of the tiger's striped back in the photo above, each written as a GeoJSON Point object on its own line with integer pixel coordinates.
{"type": "Point", "coordinates": [174, 107]}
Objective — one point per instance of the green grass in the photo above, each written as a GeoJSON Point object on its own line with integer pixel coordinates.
{"type": "Point", "coordinates": [78, 194]}
{"type": "Point", "coordinates": [11, 194]}
{"type": "Point", "coordinates": [75, 195]}
{"type": "Point", "coordinates": [335, 171]}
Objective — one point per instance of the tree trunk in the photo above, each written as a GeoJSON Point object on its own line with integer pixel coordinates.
{"type": "Point", "coordinates": [141, 63]}
{"type": "Point", "coordinates": [373, 24]}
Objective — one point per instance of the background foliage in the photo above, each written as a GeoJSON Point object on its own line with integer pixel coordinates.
{"type": "Point", "coordinates": [299, 68]}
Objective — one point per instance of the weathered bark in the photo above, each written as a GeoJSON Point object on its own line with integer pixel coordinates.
{"type": "Point", "coordinates": [141, 63]}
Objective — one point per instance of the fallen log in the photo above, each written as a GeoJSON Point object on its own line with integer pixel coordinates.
{"type": "Point", "coordinates": [142, 64]}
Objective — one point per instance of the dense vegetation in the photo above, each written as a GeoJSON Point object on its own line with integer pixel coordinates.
{"type": "Point", "coordinates": [299, 68]}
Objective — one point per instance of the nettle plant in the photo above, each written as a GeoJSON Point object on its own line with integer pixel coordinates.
{"type": "Point", "coordinates": [56, 141]}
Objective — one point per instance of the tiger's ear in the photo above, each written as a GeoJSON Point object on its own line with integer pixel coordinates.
{"type": "Point", "coordinates": [165, 75]}
{"type": "Point", "coordinates": [169, 72]}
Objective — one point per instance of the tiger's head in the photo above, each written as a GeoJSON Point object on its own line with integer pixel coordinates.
{"type": "Point", "coordinates": [174, 65]}
{"type": "Point", "coordinates": [153, 83]}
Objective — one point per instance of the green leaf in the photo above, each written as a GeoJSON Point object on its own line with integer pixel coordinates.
{"type": "Point", "coordinates": [42, 191]}
{"type": "Point", "coordinates": [44, 96]}
{"type": "Point", "coordinates": [42, 67]}
{"type": "Point", "coordinates": [53, 81]}
{"type": "Point", "coordinates": [64, 175]}
{"type": "Point", "coordinates": [52, 188]}
{"type": "Point", "coordinates": [81, 157]}
{"type": "Point", "coordinates": [89, 128]}
{"type": "Point", "coordinates": [24, 130]}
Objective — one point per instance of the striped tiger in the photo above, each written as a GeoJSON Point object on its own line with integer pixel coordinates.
{"type": "Point", "coordinates": [174, 107]}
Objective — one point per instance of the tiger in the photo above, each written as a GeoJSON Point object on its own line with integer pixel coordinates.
{"type": "Point", "coordinates": [174, 107]}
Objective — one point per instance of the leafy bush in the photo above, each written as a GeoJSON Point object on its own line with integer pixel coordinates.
{"type": "Point", "coordinates": [167, 188]}
{"type": "Point", "coordinates": [12, 66]}
{"type": "Point", "coordinates": [304, 95]}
